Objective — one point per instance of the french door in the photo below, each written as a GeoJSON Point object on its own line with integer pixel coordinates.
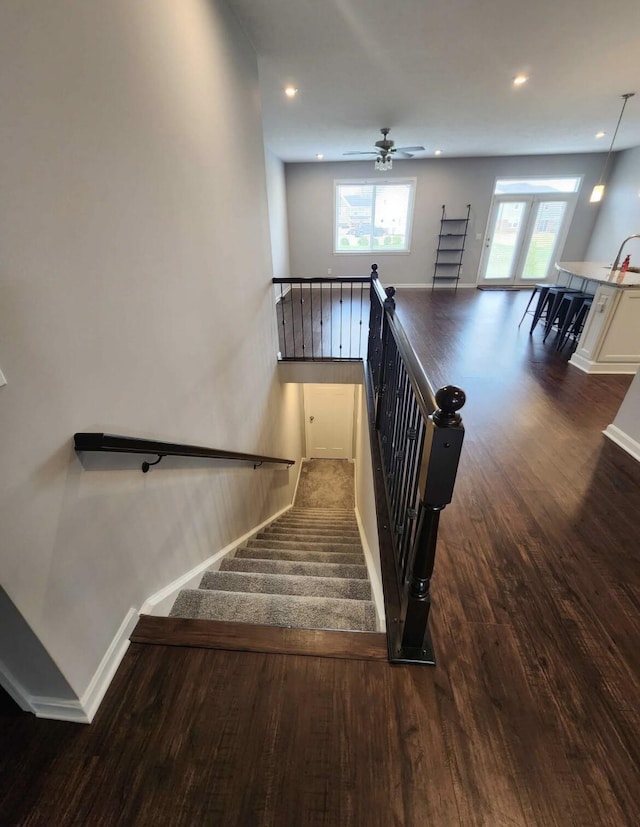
{"type": "Point", "coordinates": [525, 234]}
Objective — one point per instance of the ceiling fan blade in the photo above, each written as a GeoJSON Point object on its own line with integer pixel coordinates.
{"type": "Point", "coordinates": [410, 149]}
{"type": "Point", "coordinates": [403, 154]}
{"type": "Point", "coordinates": [357, 152]}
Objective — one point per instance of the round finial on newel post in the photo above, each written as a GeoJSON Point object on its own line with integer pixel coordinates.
{"type": "Point", "coordinates": [449, 400]}
{"type": "Point", "coordinates": [374, 271]}
{"type": "Point", "coordinates": [389, 302]}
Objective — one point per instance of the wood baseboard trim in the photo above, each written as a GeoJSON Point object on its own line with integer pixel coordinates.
{"type": "Point", "coordinates": [246, 637]}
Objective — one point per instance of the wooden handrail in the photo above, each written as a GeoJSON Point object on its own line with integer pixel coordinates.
{"type": "Point", "coordinates": [324, 280]}
{"type": "Point", "coordinates": [115, 443]}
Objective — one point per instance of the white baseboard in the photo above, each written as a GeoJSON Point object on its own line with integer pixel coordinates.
{"type": "Point", "coordinates": [586, 366]}
{"type": "Point", "coordinates": [14, 688]}
{"type": "Point", "coordinates": [83, 710]}
{"type": "Point", "coordinates": [627, 443]}
{"type": "Point", "coordinates": [160, 603]}
{"type": "Point", "coordinates": [58, 709]}
{"type": "Point", "coordinates": [103, 676]}
{"type": "Point", "coordinates": [295, 490]}
{"type": "Point", "coordinates": [376, 585]}
{"type": "Point", "coordinates": [283, 293]}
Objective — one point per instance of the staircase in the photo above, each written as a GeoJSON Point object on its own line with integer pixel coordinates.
{"type": "Point", "coordinates": [306, 569]}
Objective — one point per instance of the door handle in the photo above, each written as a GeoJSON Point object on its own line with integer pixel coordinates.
{"type": "Point", "coordinates": [311, 418]}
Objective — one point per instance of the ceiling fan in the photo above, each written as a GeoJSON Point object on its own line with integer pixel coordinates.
{"type": "Point", "coordinates": [385, 149]}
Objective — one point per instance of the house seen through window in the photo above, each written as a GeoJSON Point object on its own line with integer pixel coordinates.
{"type": "Point", "coordinates": [373, 217]}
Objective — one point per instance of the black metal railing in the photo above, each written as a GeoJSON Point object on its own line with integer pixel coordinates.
{"type": "Point", "coordinates": [417, 437]}
{"type": "Point", "coordinates": [416, 434]}
{"type": "Point", "coordinates": [323, 319]}
{"type": "Point", "coordinates": [115, 443]}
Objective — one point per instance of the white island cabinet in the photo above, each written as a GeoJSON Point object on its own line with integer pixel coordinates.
{"type": "Point", "coordinates": [610, 338]}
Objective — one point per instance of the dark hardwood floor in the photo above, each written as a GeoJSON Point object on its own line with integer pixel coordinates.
{"type": "Point", "coordinates": [531, 716]}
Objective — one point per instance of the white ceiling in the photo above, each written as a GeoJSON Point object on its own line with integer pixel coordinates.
{"type": "Point", "coordinates": [439, 73]}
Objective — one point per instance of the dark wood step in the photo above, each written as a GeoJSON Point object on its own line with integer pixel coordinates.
{"type": "Point", "coordinates": [246, 637]}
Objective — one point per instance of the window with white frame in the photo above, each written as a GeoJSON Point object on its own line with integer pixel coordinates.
{"type": "Point", "coordinates": [373, 217]}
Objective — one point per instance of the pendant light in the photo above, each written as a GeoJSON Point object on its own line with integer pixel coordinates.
{"type": "Point", "coordinates": [598, 190]}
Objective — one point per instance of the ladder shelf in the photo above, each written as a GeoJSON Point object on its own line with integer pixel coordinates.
{"type": "Point", "coordinates": [450, 250]}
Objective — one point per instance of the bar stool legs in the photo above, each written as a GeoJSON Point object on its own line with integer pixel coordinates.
{"type": "Point", "coordinates": [565, 311]}
{"type": "Point", "coordinates": [543, 289]}
{"type": "Point", "coordinates": [573, 329]}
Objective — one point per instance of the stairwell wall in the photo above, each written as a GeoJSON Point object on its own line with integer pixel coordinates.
{"type": "Point", "coordinates": [136, 299]}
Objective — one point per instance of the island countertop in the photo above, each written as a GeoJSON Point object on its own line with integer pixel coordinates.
{"type": "Point", "coordinates": [597, 271]}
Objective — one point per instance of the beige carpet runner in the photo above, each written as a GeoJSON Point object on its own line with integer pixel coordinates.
{"type": "Point", "coordinates": [306, 569]}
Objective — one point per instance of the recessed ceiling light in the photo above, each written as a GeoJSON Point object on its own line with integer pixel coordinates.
{"type": "Point", "coordinates": [438, 152]}
{"type": "Point", "coordinates": [319, 156]}
{"type": "Point", "coordinates": [519, 80]}
{"type": "Point", "coordinates": [600, 134]}
{"type": "Point", "coordinates": [290, 91]}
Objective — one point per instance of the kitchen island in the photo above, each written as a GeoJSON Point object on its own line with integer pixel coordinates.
{"type": "Point", "coordinates": [610, 338]}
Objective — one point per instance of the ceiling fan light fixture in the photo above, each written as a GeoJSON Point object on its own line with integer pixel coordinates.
{"type": "Point", "coordinates": [598, 191]}
{"type": "Point", "coordinates": [383, 164]}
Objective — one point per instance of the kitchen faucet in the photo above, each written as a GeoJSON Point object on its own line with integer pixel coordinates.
{"type": "Point", "coordinates": [616, 263]}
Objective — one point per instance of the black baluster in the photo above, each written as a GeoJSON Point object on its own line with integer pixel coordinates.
{"type": "Point", "coordinates": [293, 323]}
{"type": "Point", "coordinates": [331, 316]}
{"type": "Point", "coordinates": [340, 345]}
{"type": "Point", "coordinates": [311, 320]}
{"type": "Point", "coordinates": [361, 308]}
{"type": "Point", "coordinates": [284, 331]}
{"type": "Point", "coordinates": [302, 317]}
{"type": "Point", "coordinates": [350, 318]}
{"type": "Point", "coordinates": [321, 323]}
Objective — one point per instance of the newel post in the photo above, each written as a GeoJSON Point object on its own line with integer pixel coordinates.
{"type": "Point", "coordinates": [443, 443]}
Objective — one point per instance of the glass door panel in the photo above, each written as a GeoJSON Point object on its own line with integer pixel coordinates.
{"type": "Point", "coordinates": [504, 244]}
{"type": "Point", "coordinates": [547, 224]}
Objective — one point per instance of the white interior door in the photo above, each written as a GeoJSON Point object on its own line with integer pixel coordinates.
{"type": "Point", "coordinates": [525, 234]}
{"type": "Point", "coordinates": [329, 421]}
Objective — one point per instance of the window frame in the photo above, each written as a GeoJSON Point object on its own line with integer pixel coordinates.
{"type": "Point", "coordinates": [375, 183]}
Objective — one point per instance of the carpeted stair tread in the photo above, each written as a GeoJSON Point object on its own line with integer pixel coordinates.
{"type": "Point", "coordinates": [305, 569]}
{"type": "Point", "coordinates": [321, 528]}
{"type": "Point", "coordinates": [350, 570]}
{"type": "Point", "coordinates": [293, 545]}
{"type": "Point", "coordinates": [277, 610]}
{"type": "Point", "coordinates": [301, 555]}
{"type": "Point", "coordinates": [239, 581]}
{"type": "Point", "coordinates": [301, 510]}
{"type": "Point", "coordinates": [318, 515]}
{"type": "Point", "coordinates": [304, 537]}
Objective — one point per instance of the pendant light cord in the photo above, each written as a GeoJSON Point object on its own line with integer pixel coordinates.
{"type": "Point", "coordinates": [606, 162]}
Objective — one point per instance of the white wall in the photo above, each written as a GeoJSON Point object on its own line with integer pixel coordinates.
{"type": "Point", "coordinates": [136, 299]}
{"type": "Point", "coordinates": [365, 500]}
{"type": "Point", "coordinates": [454, 182]}
{"type": "Point", "coordinates": [625, 428]}
{"type": "Point", "coordinates": [619, 214]}
{"type": "Point", "coordinates": [277, 200]}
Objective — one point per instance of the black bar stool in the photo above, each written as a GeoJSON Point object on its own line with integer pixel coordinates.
{"type": "Point", "coordinates": [548, 302]}
{"type": "Point", "coordinates": [543, 289]}
{"type": "Point", "coordinates": [573, 329]}
{"type": "Point", "coordinates": [563, 311]}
